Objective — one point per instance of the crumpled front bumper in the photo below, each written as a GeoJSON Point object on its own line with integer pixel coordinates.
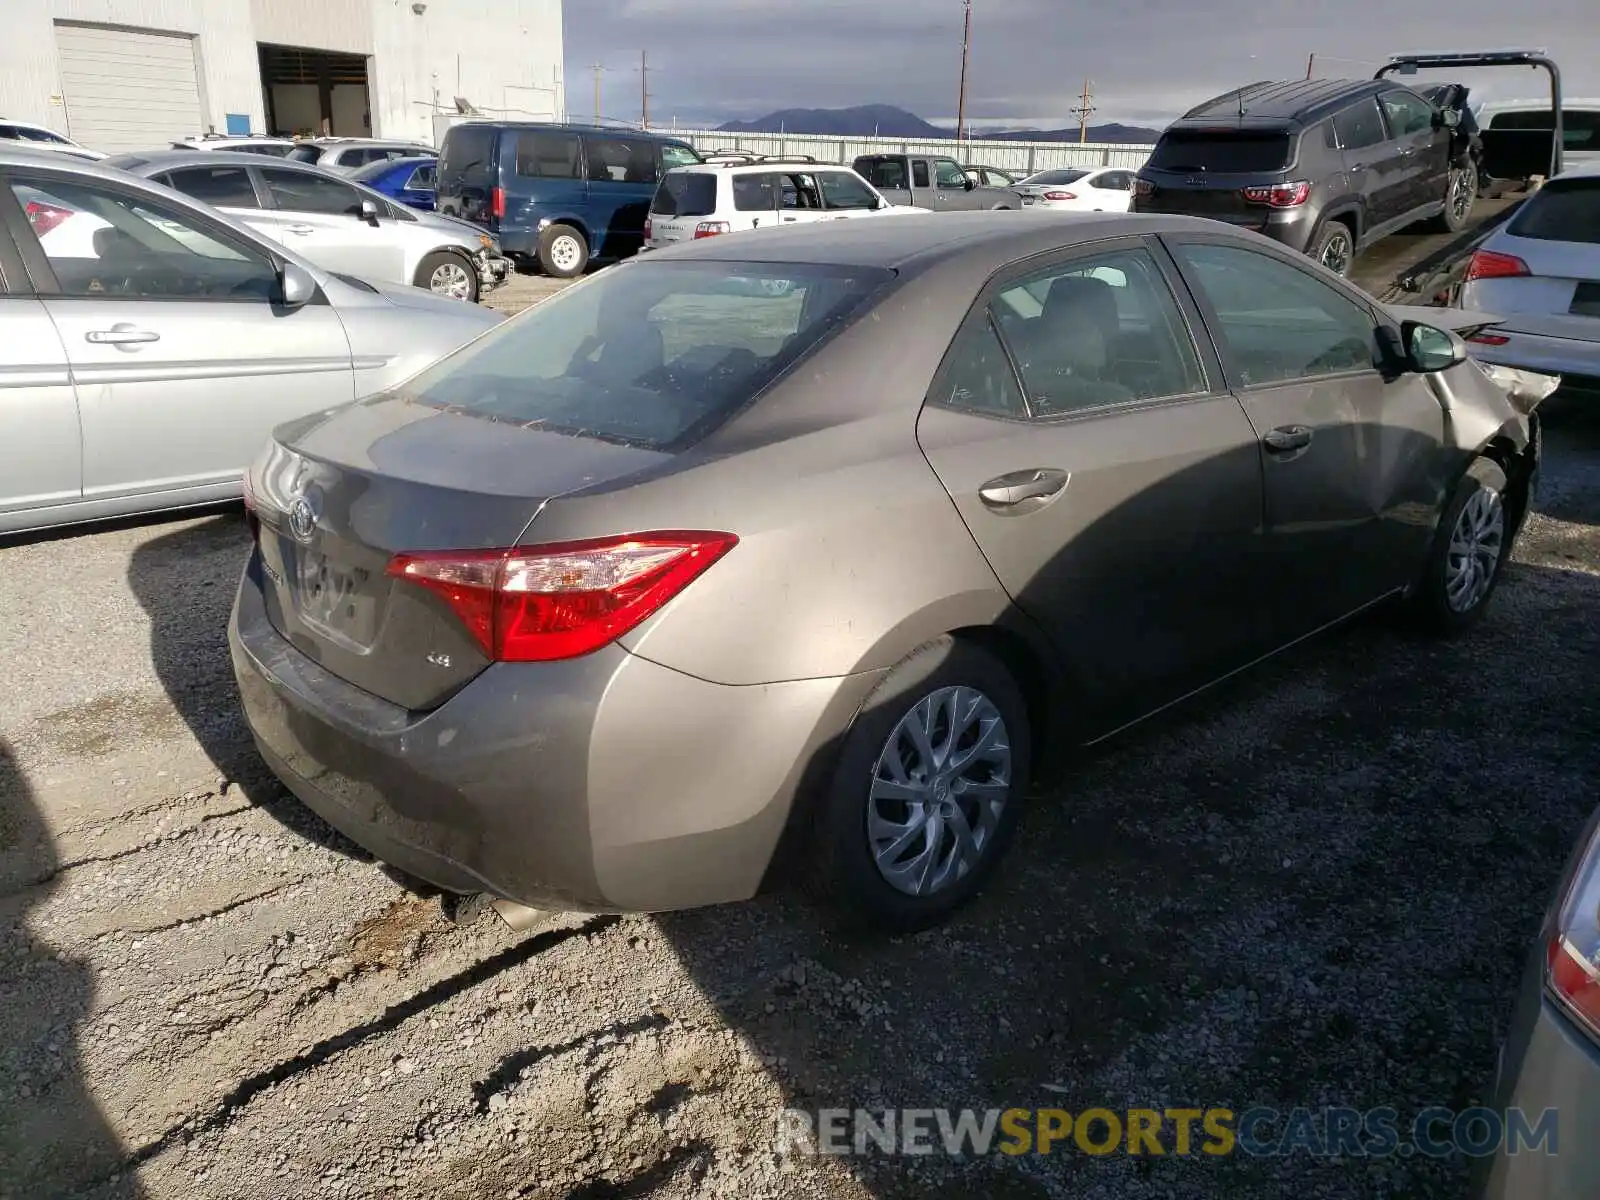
{"type": "Point", "coordinates": [494, 269]}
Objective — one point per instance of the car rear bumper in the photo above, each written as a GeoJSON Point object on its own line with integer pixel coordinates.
{"type": "Point", "coordinates": [1547, 1063]}
{"type": "Point", "coordinates": [1540, 352]}
{"type": "Point", "coordinates": [603, 783]}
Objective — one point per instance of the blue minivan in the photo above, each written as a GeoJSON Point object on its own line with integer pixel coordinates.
{"type": "Point", "coordinates": [558, 195]}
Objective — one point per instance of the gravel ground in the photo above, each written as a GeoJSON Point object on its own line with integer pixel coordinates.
{"type": "Point", "coordinates": [1315, 886]}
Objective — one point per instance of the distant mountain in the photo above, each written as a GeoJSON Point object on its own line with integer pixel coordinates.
{"type": "Point", "coordinates": [885, 120]}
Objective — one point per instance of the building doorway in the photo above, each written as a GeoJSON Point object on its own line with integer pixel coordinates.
{"type": "Point", "coordinates": [318, 93]}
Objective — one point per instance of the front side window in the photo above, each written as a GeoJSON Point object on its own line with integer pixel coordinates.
{"type": "Point", "coordinates": [948, 173]}
{"type": "Point", "coordinates": [301, 191]}
{"type": "Point", "coordinates": [843, 190]}
{"type": "Point", "coordinates": [1100, 330]}
{"type": "Point", "coordinates": [1277, 322]}
{"type": "Point", "coordinates": [677, 156]}
{"type": "Point", "coordinates": [542, 155]}
{"type": "Point", "coordinates": [1360, 125]}
{"type": "Point", "coordinates": [1408, 114]}
{"type": "Point", "coordinates": [220, 187]}
{"type": "Point", "coordinates": [621, 160]}
{"type": "Point", "coordinates": [422, 179]}
{"type": "Point", "coordinates": [305, 154]}
{"type": "Point", "coordinates": [105, 243]}
{"type": "Point", "coordinates": [657, 355]}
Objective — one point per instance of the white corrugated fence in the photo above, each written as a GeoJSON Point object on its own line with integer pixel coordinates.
{"type": "Point", "coordinates": [1026, 157]}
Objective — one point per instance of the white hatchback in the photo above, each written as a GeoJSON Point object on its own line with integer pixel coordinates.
{"type": "Point", "coordinates": [726, 197]}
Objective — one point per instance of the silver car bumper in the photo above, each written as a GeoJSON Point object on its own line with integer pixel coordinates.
{"type": "Point", "coordinates": [493, 270]}
{"type": "Point", "coordinates": [1539, 352]}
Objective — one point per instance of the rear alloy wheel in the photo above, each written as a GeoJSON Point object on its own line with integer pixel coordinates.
{"type": "Point", "coordinates": [1469, 552]}
{"type": "Point", "coordinates": [563, 254]}
{"type": "Point", "coordinates": [1336, 248]}
{"type": "Point", "coordinates": [927, 792]}
{"type": "Point", "coordinates": [447, 274]}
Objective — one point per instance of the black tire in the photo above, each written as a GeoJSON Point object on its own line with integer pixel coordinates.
{"type": "Point", "coordinates": [1460, 194]}
{"type": "Point", "coordinates": [563, 252]}
{"type": "Point", "coordinates": [845, 874]}
{"type": "Point", "coordinates": [1436, 611]}
{"type": "Point", "coordinates": [455, 265]}
{"type": "Point", "coordinates": [1335, 248]}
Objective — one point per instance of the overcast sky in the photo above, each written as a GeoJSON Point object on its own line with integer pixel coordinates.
{"type": "Point", "coordinates": [716, 60]}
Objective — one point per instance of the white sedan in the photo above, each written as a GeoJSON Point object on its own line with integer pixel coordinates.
{"type": "Point", "coordinates": [1079, 189]}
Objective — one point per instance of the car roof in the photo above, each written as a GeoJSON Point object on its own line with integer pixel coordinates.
{"type": "Point", "coordinates": [915, 241]}
{"type": "Point", "coordinates": [21, 154]}
{"type": "Point", "coordinates": [572, 127]}
{"type": "Point", "coordinates": [1290, 102]}
{"type": "Point", "coordinates": [148, 161]}
{"type": "Point", "coordinates": [763, 167]}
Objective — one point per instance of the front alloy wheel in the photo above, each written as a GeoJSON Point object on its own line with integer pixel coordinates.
{"type": "Point", "coordinates": [451, 279]}
{"type": "Point", "coordinates": [939, 789]}
{"type": "Point", "coordinates": [1476, 544]}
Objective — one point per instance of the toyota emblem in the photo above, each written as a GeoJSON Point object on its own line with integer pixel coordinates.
{"type": "Point", "coordinates": [302, 519]}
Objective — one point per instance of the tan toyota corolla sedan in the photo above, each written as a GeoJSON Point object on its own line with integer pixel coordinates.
{"type": "Point", "coordinates": [819, 538]}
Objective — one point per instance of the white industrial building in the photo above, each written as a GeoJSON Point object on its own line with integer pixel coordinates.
{"type": "Point", "coordinates": [120, 75]}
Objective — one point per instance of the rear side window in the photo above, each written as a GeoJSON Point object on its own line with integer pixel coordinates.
{"type": "Point", "coordinates": [549, 156]}
{"type": "Point", "coordinates": [656, 354]}
{"type": "Point", "coordinates": [621, 160]}
{"type": "Point", "coordinates": [1566, 210]}
{"type": "Point", "coordinates": [468, 153]}
{"type": "Point", "coordinates": [1222, 152]}
{"type": "Point", "coordinates": [221, 187]}
{"type": "Point", "coordinates": [686, 194]}
{"type": "Point", "coordinates": [755, 193]}
{"type": "Point", "coordinates": [1360, 125]}
{"type": "Point", "coordinates": [919, 173]}
{"type": "Point", "coordinates": [883, 172]}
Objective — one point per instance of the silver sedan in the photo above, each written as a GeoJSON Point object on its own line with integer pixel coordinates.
{"type": "Point", "coordinates": [149, 345]}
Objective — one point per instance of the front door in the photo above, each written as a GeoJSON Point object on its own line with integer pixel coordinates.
{"type": "Point", "coordinates": [320, 219]}
{"type": "Point", "coordinates": [1115, 490]}
{"type": "Point", "coordinates": [844, 195]}
{"type": "Point", "coordinates": [181, 361]}
{"type": "Point", "coordinates": [1345, 446]}
{"type": "Point", "coordinates": [1425, 153]}
{"type": "Point", "coordinates": [952, 187]}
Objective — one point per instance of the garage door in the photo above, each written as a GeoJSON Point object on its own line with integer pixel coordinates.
{"type": "Point", "coordinates": [127, 90]}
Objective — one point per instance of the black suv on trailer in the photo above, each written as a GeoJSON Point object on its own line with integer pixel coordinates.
{"type": "Point", "coordinates": [1326, 166]}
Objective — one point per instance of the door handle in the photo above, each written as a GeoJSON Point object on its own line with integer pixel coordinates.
{"type": "Point", "coordinates": [1287, 439]}
{"type": "Point", "coordinates": [1008, 491]}
{"type": "Point", "coordinates": [121, 334]}
{"type": "Point", "coordinates": [301, 229]}
{"type": "Point", "coordinates": [791, 219]}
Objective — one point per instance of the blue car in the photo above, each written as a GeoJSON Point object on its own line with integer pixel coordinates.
{"type": "Point", "coordinates": [557, 195]}
{"type": "Point", "coordinates": [408, 180]}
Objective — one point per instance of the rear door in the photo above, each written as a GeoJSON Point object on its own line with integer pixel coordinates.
{"type": "Point", "coordinates": [41, 461]}
{"type": "Point", "coordinates": [623, 174]}
{"type": "Point", "coordinates": [887, 173]}
{"type": "Point", "coordinates": [1373, 168]}
{"type": "Point", "coordinates": [181, 361]}
{"type": "Point", "coordinates": [1111, 480]}
{"type": "Point", "coordinates": [320, 218]}
{"type": "Point", "coordinates": [799, 198]}
{"type": "Point", "coordinates": [1346, 450]}
{"type": "Point", "coordinates": [468, 173]}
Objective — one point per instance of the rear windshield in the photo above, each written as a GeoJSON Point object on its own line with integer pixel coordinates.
{"type": "Point", "coordinates": [1564, 210]}
{"type": "Point", "coordinates": [1580, 127]}
{"type": "Point", "coordinates": [649, 354]}
{"type": "Point", "coordinates": [686, 194]}
{"type": "Point", "coordinates": [468, 154]}
{"type": "Point", "coordinates": [305, 154]}
{"type": "Point", "coordinates": [1044, 177]}
{"type": "Point", "coordinates": [1224, 153]}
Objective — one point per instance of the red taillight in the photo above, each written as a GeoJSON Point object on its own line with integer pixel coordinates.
{"type": "Point", "coordinates": [1489, 264]}
{"type": "Point", "coordinates": [497, 203]}
{"type": "Point", "coordinates": [711, 228]}
{"type": "Point", "coordinates": [539, 603]}
{"type": "Point", "coordinates": [1279, 195]}
{"type": "Point", "coordinates": [45, 217]}
{"type": "Point", "coordinates": [1060, 196]}
{"type": "Point", "coordinates": [1574, 947]}
{"type": "Point", "coordinates": [1489, 339]}
{"type": "Point", "coordinates": [1143, 187]}
{"type": "Point", "coordinates": [649, 227]}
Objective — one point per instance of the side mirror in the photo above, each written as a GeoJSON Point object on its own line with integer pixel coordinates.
{"type": "Point", "coordinates": [369, 212]}
{"type": "Point", "coordinates": [1448, 118]}
{"type": "Point", "coordinates": [970, 182]}
{"type": "Point", "coordinates": [296, 288]}
{"type": "Point", "coordinates": [1429, 349]}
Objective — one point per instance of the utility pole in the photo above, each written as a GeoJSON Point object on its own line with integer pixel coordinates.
{"type": "Point", "coordinates": [1082, 113]}
{"type": "Point", "coordinates": [644, 88]}
{"type": "Point", "coordinates": [966, 50]}
{"type": "Point", "coordinates": [599, 70]}
{"type": "Point", "coordinates": [1311, 61]}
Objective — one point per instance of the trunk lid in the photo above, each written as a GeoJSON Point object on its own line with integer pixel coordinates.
{"type": "Point", "coordinates": [1203, 172]}
{"type": "Point", "coordinates": [339, 499]}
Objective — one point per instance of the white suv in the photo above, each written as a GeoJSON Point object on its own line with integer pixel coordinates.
{"type": "Point", "coordinates": [717, 197]}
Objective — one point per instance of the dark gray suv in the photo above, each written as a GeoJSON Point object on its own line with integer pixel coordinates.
{"type": "Point", "coordinates": [1326, 166]}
